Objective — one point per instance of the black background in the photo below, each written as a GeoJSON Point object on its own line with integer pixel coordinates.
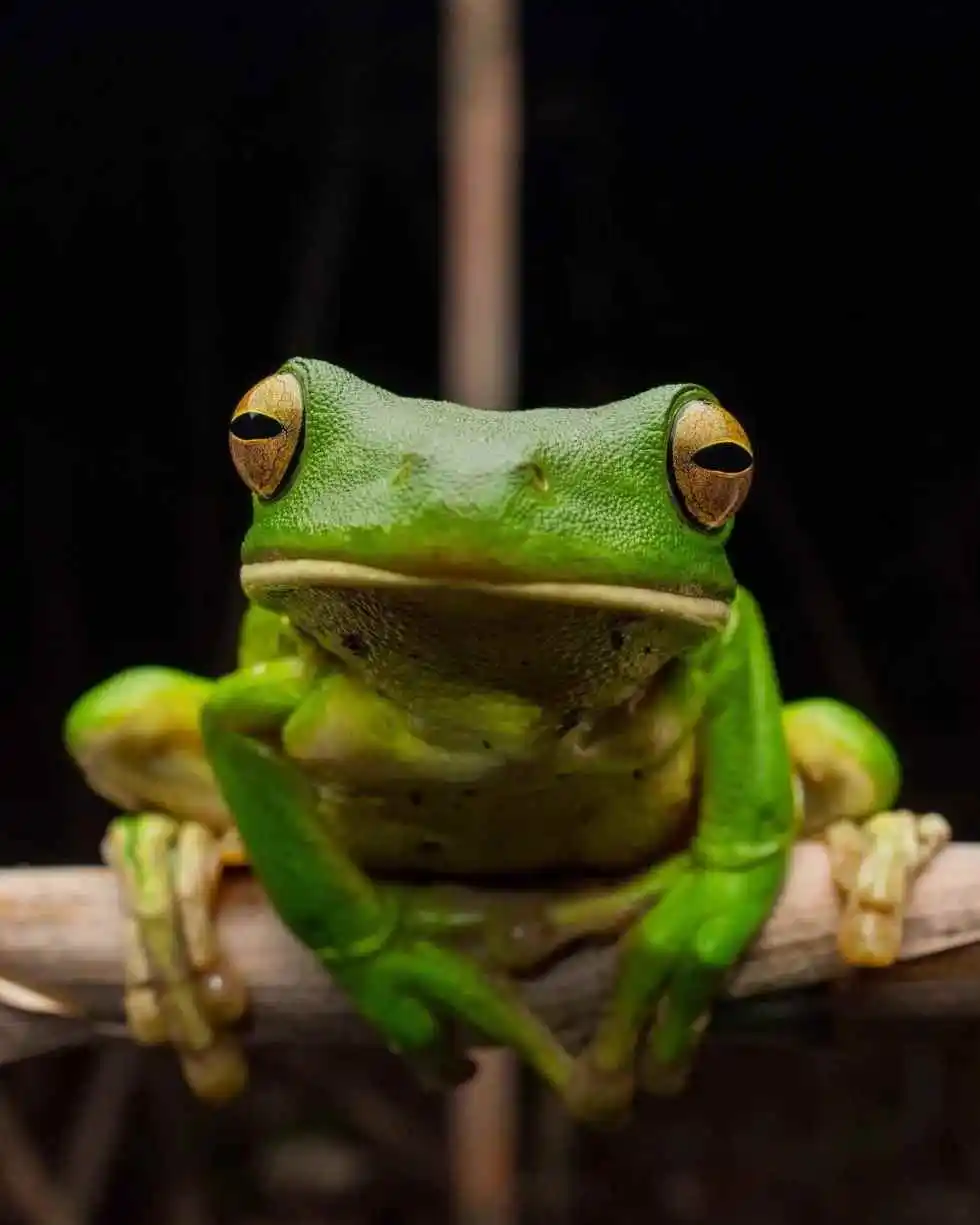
{"type": "Point", "coordinates": [779, 201]}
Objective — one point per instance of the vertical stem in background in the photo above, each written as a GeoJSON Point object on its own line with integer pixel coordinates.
{"type": "Point", "coordinates": [481, 159]}
{"type": "Point", "coordinates": [481, 113]}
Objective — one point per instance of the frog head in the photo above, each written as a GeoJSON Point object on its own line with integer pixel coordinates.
{"type": "Point", "coordinates": [565, 554]}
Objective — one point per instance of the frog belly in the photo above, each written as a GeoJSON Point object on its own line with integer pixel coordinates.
{"type": "Point", "coordinates": [604, 823]}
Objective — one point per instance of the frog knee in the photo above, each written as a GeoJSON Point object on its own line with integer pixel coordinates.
{"type": "Point", "coordinates": [137, 740]}
{"type": "Point", "coordinates": [847, 766]}
{"type": "Point", "coordinates": [138, 702]}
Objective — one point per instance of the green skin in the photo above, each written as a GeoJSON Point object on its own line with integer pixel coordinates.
{"type": "Point", "coordinates": [548, 668]}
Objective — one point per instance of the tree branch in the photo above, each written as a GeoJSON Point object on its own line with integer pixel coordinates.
{"type": "Point", "coordinates": [60, 937]}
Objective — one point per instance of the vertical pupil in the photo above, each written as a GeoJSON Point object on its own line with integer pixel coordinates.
{"type": "Point", "coordinates": [251, 426]}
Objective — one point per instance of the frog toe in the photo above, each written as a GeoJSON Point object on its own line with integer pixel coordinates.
{"type": "Point", "coordinates": [874, 866]}
{"type": "Point", "coordinates": [597, 1095]}
{"type": "Point", "coordinates": [144, 1019]}
{"type": "Point", "coordinates": [218, 1073]}
{"type": "Point", "coordinates": [178, 988]}
{"type": "Point", "coordinates": [431, 1002]}
{"type": "Point", "coordinates": [661, 1079]}
{"type": "Point", "coordinates": [673, 966]}
{"type": "Point", "coordinates": [668, 1052]}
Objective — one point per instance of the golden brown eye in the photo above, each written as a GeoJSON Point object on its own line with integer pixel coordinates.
{"type": "Point", "coordinates": [265, 433]}
{"type": "Point", "coordinates": [711, 463]}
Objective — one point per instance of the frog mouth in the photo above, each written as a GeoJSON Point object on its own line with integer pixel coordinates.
{"type": "Point", "coordinates": [702, 611]}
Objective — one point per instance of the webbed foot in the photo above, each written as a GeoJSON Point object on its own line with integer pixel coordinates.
{"type": "Point", "coordinates": [179, 988]}
{"type": "Point", "coordinates": [417, 992]}
{"type": "Point", "coordinates": [673, 965]}
{"type": "Point", "coordinates": [520, 935]}
{"type": "Point", "coordinates": [874, 865]}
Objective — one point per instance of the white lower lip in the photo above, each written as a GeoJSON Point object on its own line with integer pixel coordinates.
{"type": "Point", "coordinates": [310, 572]}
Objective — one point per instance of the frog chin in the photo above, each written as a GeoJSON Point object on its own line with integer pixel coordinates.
{"type": "Point", "coordinates": [702, 612]}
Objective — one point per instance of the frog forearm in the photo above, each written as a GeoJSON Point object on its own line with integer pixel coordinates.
{"type": "Point", "coordinates": [264, 636]}
{"type": "Point", "coordinates": [747, 812]}
{"type": "Point", "coordinates": [257, 700]}
{"type": "Point", "coordinates": [316, 887]}
{"type": "Point", "coordinates": [396, 977]}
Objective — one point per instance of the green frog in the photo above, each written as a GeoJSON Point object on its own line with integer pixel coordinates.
{"type": "Point", "coordinates": [479, 647]}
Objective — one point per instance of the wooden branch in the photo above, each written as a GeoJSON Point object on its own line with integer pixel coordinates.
{"type": "Point", "coordinates": [60, 937]}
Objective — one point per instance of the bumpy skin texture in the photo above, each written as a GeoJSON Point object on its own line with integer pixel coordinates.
{"type": "Point", "coordinates": [433, 487]}
{"type": "Point", "coordinates": [481, 644]}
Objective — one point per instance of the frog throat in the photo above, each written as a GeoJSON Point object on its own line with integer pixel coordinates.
{"type": "Point", "coordinates": [701, 611]}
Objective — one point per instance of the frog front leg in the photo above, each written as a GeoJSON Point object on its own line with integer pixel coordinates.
{"type": "Point", "coordinates": [408, 986]}
{"type": "Point", "coordinates": [137, 740]}
{"type": "Point", "coordinates": [849, 778]}
{"type": "Point", "coordinates": [675, 957]}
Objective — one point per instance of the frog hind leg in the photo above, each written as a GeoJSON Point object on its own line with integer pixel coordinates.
{"type": "Point", "coordinates": [848, 778]}
{"type": "Point", "coordinates": [136, 738]}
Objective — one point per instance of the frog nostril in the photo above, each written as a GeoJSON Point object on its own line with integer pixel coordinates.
{"type": "Point", "coordinates": [535, 475]}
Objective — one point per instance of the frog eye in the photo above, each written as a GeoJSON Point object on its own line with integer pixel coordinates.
{"type": "Point", "coordinates": [265, 433]}
{"type": "Point", "coordinates": [711, 463]}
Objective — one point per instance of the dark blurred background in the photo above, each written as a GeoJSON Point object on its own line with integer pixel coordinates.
{"type": "Point", "coordinates": [779, 201]}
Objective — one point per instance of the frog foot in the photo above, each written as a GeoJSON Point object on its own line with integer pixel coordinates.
{"type": "Point", "coordinates": [673, 964]}
{"type": "Point", "coordinates": [603, 1095]}
{"type": "Point", "coordinates": [405, 991]}
{"type": "Point", "coordinates": [873, 866]}
{"type": "Point", "coordinates": [178, 988]}
{"type": "Point", "coordinates": [521, 934]}
{"type": "Point", "coordinates": [427, 999]}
